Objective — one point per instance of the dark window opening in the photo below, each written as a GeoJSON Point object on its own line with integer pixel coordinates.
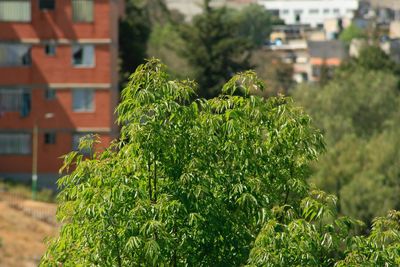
{"type": "Point", "coordinates": [47, 4]}
{"type": "Point", "coordinates": [78, 56]}
{"type": "Point", "coordinates": [50, 49]}
{"type": "Point", "coordinates": [50, 94]}
{"type": "Point", "coordinates": [50, 138]}
{"type": "Point", "coordinates": [26, 58]}
{"type": "Point", "coordinates": [83, 55]}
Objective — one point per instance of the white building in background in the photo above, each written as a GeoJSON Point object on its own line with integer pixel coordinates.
{"type": "Point", "coordinates": [312, 12]}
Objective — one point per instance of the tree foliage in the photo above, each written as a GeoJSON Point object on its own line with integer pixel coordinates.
{"type": "Point", "coordinates": [255, 23]}
{"type": "Point", "coordinates": [135, 30]}
{"type": "Point", "coordinates": [217, 182]}
{"type": "Point", "coordinates": [358, 112]}
{"type": "Point", "coordinates": [214, 48]}
{"type": "Point", "coordinates": [352, 32]}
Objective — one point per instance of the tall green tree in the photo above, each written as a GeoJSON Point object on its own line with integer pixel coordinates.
{"type": "Point", "coordinates": [188, 183]}
{"type": "Point", "coordinates": [255, 23]}
{"type": "Point", "coordinates": [214, 48]}
{"type": "Point", "coordinates": [217, 182]}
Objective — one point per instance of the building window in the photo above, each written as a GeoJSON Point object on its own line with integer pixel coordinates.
{"type": "Point", "coordinates": [15, 55]}
{"type": "Point", "coordinates": [313, 11]}
{"type": "Point", "coordinates": [15, 10]}
{"type": "Point", "coordinates": [316, 70]}
{"type": "Point", "coordinates": [274, 12]}
{"type": "Point", "coordinates": [336, 11]}
{"type": "Point", "coordinates": [47, 4]}
{"type": "Point", "coordinates": [82, 100]}
{"type": "Point", "coordinates": [83, 55]}
{"type": "Point", "coordinates": [50, 49]}
{"type": "Point", "coordinates": [50, 138]}
{"type": "Point", "coordinates": [326, 11]}
{"type": "Point", "coordinates": [15, 143]}
{"type": "Point", "coordinates": [15, 100]}
{"type": "Point", "coordinates": [49, 94]}
{"type": "Point", "coordinates": [285, 11]}
{"type": "Point", "coordinates": [82, 10]}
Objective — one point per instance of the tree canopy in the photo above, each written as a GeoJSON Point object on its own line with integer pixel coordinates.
{"type": "Point", "coordinates": [218, 182]}
{"type": "Point", "coordinates": [214, 49]}
{"type": "Point", "coordinates": [352, 32]}
{"type": "Point", "coordinates": [358, 113]}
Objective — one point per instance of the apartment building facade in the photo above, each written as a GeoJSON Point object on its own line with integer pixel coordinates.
{"type": "Point", "coordinates": [58, 81]}
{"type": "Point", "coordinates": [311, 12]}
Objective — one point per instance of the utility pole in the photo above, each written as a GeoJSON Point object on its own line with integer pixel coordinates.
{"type": "Point", "coordinates": [34, 159]}
{"type": "Point", "coordinates": [35, 140]}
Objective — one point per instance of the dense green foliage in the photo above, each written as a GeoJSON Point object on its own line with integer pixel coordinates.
{"type": "Point", "coordinates": [214, 49]}
{"type": "Point", "coordinates": [371, 57]}
{"type": "Point", "coordinates": [217, 182]}
{"type": "Point", "coordinates": [358, 112]}
{"type": "Point", "coordinates": [134, 32]}
{"type": "Point", "coordinates": [352, 32]}
{"type": "Point", "coordinates": [136, 27]}
{"type": "Point", "coordinates": [255, 23]}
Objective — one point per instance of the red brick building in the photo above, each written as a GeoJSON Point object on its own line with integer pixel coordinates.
{"type": "Point", "coordinates": [58, 74]}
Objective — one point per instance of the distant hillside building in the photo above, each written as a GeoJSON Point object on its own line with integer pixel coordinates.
{"type": "Point", "coordinates": [58, 81]}
{"type": "Point", "coordinates": [325, 54]}
{"type": "Point", "coordinates": [311, 12]}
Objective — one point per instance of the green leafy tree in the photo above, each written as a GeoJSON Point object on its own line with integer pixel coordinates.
{"type": "Point", "coordinates": [380, 248]}
{"type": "Point", "coordinates": [188, 183]}
{"type": "Point", "coordinates": [308, 235]}
{"type": "Point", "coordinates": [217, 182]}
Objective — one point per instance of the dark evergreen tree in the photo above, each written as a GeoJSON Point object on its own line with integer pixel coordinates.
{"type": "Point", "coordinates": [214, 48]}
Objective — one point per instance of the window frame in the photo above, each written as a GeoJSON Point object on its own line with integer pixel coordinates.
{"type": "Point", "coordinates": [90, 20]}
{"type": "Point", "coordinates": [21, 99]}
{"type": "Point", "coordinates": [46, 8]}
{"type": "Point", "coordinates": [93, 98]}
{"type": "Point", "coordinates": [93, 61]}
{"type": "Point", "coordinates": [21, 152]}
{"type": "Point", "coordinates": [28, 20]}
{"type": "Point", "coordinates": [24, 60]}
{"type": "Point", "coordinates": [50, 96]}
{"type": "Point", "coordinates": [50, 49]}
{"type": "Point", "coordinates": [50, 138]}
